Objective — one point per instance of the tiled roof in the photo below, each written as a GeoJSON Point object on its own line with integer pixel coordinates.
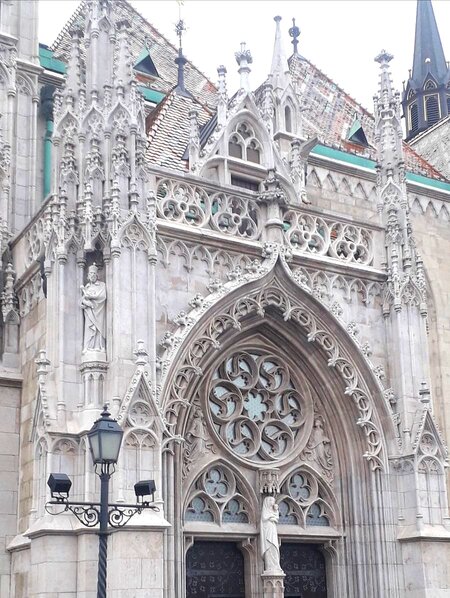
{"type": "Point", "coordinates": [163, 53]}
{"type": "Point", "coordinates": [168, 130]}
{"type": "Point", "coordinates": [330, 113]}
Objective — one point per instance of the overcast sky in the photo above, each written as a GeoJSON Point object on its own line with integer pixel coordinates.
{"type": "Point", "coordinates": [341, 37]}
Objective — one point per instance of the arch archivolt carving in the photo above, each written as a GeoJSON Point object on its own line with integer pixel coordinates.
{"type": "Point", "coordinates": [266, 290]}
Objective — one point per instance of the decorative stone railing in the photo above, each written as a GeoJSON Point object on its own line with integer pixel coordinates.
{"type": "Point", "coordinates": [307, 233]}
{"type": "Point", "coordinates": [203, 207]}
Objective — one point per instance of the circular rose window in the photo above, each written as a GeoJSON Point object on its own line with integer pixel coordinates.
{"type": "Point", "coordinates": [256, 408]}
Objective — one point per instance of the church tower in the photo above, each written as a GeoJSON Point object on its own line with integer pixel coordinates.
{"type": "Point", "coordinates": [426, 98]}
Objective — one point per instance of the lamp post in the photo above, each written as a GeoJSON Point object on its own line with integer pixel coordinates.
{"type": "Point", "coordinates": [105, 439]}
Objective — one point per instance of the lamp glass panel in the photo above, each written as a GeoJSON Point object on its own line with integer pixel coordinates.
{"type": "Point", "coordinates": [95, 447]}
{"type": "Point", "coordinates": [110, 445]}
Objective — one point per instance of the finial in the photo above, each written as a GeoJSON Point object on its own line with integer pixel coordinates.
{"type": "Point", "coordinates": [244, 58]}
{"type": "Point", "coordinates": [383, 57]}
{"type": "Point", "coordinates": [294, 32]}
{"type": "Point", "coordinates": [180, 60]}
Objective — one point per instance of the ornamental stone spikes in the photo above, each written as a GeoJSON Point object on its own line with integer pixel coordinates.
{"type": "Point", "coordinates": [244, 59]}
{"type": "Point", "coordinates": [279, 71]}
{"type": "Point", "coordinates": [223, 96]}
{"type": "Point", "coordinates": [194, 139]}
{"type": "Point", "coordinates": [122, 70]}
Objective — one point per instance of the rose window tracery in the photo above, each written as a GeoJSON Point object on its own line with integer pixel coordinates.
{"type": "Point", "coordinates": [257, 410]}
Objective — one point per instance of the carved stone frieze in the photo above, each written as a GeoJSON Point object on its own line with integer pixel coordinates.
{"type": "Point", "coordinates": [200, 207]}
{"type": "Point", "coordinates": [346, 242]}
{"type": "Point", "coordinates": [326, 286]}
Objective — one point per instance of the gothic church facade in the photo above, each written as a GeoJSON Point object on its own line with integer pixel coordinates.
{"type": "Point", "coordinates": [259, 293]}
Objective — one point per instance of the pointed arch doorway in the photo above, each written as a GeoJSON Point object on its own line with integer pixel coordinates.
{"type": "Point", "coordinates": [214, 570]}
{"type": "Point", "coordinates": [304, 567]}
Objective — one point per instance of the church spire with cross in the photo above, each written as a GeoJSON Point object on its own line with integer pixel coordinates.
{"type": "Point", "coordinates": [426, 98]}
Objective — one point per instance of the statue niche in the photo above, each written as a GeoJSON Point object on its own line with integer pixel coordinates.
{"type": "Point", "coordinates": [93, 304]}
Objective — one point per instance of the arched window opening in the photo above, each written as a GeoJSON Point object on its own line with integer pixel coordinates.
{"type": "Point", "coordinates": [288, 119]}
{"type": "Point", "coordinates": [235, 148]}
{"type": "Point", "coordinates": [432, 109]}
{"type": "Point", "coordinates": [253, 153]}
{"type": "Point", "coordinates": [414, 117]}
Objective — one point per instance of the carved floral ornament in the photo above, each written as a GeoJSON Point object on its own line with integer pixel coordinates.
{"type": "Point", "coordinates": [270, 293]}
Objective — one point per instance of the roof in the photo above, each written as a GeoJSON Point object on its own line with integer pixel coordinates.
{"type": "Point", "coordinates": [49, 62]}
{"type": "Point", "coordinates": [169, 129]}
{"type": "Point", "coordinates": [331, 112]}
{"type": "Point", "coordinates": [162, 51]}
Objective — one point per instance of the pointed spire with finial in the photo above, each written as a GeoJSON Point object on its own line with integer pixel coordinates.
{"type": "Point", "coordinates": [294, 32]}
{"type": "Point", "coordinates": [279, 71]}
{"type": "Point", "coordinates": [428, 52]}
{"type": "Point", "coordinates": [388, 132]}
{"type": "Point", "coordinates": [424, 102]}
{"type": "Point", "coordinates": [244, 59]}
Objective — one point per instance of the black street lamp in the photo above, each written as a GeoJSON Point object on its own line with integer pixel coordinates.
{"type": "Point", "coordinates": [105, 439]}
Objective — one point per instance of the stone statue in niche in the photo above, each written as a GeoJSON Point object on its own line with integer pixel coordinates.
{"type": "Point", "coordinates": [93, 303]}
{"type": "Point", "coordinates": [270, 549]}
{"type": "Point", "coordinates": [318, 448]}
{"type": "Point", "coordinates": [198, 441]}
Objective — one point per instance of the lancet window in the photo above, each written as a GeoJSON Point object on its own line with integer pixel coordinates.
{"type": "Point", "coordinates": [432, 112]}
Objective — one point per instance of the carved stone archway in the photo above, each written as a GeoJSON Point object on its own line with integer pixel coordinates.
{"type": "Point", "coordinates": [275, 308]}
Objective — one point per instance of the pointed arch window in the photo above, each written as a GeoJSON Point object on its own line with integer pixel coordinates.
{"type": "Point", "coordinates": [288, 119]}
{"type": "Point", "coordinates": [235, 147]}
{"type": "Point", "coordinates": [432, 109]}
{"type": "Point", "coordinates": [253, 152]}
{"type": "Point", "coordinates": [430, 85]}
{"type": "Point", "coordinates": [414, 117]}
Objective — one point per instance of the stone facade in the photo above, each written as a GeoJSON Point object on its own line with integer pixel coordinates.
{"type": "Point", "coordinates": [265, 315]}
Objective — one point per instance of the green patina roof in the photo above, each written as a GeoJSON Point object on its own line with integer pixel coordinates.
{"type": "Point", "coordinates": [151, 95]}
{"type": "Point", "coordinates": [48, 61]}
{"type": "Point", "coordinates": [335, 154]}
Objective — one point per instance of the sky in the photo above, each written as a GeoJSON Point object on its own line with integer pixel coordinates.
{"type": "Point", "coordinates": [341, 37]}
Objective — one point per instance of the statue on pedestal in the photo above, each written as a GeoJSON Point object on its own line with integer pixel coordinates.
{"type": "Point", "coordinates": [93, 303]}
{"type": "Point", "coordinates": [270, 550]}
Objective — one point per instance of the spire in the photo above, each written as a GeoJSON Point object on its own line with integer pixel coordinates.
{"type": "Point", "coordinates": [244, 59]}
{"type": "Point", "coordinates": [180, 61]}
{"type": "Point", "coordinates": [279, 71]}
{"type": "Point", "coordinates": [424, 98]}
{"type": "Point", "coordinates": [428, 53]}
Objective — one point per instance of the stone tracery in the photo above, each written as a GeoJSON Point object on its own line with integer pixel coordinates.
{"type": "Point", "coordinates": [256, 408]}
